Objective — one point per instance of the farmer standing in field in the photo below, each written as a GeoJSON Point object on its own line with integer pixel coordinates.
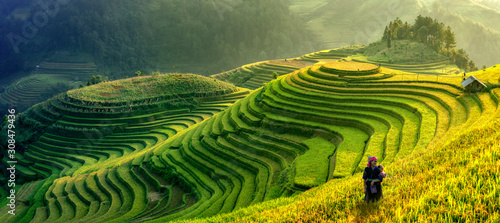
{"type": "Point", "coordinates": [372, 180]}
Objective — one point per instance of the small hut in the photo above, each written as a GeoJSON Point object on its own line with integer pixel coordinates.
{"type": "Point", "coordinates": [472, 84]}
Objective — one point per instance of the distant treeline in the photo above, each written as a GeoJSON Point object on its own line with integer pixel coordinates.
{"type": "Point", "coordinates": [433, 33]}
{"type": "Point", "coordinates": [130, 35]}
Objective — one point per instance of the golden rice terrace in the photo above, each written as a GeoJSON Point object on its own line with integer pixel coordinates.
{"type": "Point", "coordinates": [231, 148]}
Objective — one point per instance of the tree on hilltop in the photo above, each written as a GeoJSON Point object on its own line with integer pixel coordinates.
{"type": "Point", "coordinates": [422, 34]}
{"type": "Point", "coordinates": [432, 33]}
{"type": "Point", "coordinates": [389, 39]}
{"type": "Point", "coordinates": [449, 39]}
{"type": "Point", "coordinates": [95, 80]}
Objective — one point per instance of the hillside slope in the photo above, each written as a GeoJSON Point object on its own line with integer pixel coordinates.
{"type": "Point", "coordinates": [453, 178]}
{"type": "Point", "coordinates": [340, 23]}
{"type": "Point", "coordinates": [451, 183]}
{"type": "Point", "coordinates": [451, 114]}
{"type": "Point", "coordinates": [182, 146]}
{"type": "Point", "coordinates": [92, 143]}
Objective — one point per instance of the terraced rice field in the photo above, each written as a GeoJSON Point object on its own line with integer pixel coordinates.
{"type": "Point", "coordinates": [27, 90]}
{"type": "Point", "coordinates": [359, 113]}
{"type": "Point", "coordinates": [253, 76]}
{"type": "Point", "coordinates": [334, 54]}
{"type": "Point", "coordinates": [66, 68]}
{"type": "Point", "coordinates": [95, 152]}
{"type": "Point", "coordinates": [438, 67]}
{"type": "Point", "coordinates": [231, 151]}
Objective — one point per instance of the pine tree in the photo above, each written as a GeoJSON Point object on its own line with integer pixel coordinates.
{"type": "Point", "coordinates": [389, 42]}
{"type": "Point", "coordinates": [449, 39]}
{"type": "Point", "coordinates": [384, 37]}
{"type": "Point", "coordinates": [389, 39]}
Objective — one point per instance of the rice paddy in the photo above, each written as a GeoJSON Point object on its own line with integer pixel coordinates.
{"type": "Point", "coordinates": [129, 151]}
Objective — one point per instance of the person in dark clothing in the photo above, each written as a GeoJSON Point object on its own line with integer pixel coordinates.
{"type": "Point", "coordinates": [372, 180]}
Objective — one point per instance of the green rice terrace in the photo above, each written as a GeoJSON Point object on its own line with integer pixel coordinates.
{"type": "Point", "coordinates": [28, 90]}
{"type": "Point", "coordinates": [255, 75]}
{"type": "Point", "coordinates": [182, 146]}
{"type": "Point", "coordinates": [423, 60]}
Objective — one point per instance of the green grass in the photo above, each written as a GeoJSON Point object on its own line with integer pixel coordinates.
{"type": "Point", "coordinates": [311, 168]}
{"type": "Point", "coordinates": [227, 151]}
{"type": "Point", "coordinates": [151, 87]}
{"type": "Point", "coordinates": [402, 52]}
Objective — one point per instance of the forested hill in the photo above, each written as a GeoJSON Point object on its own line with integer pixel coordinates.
{"type": "Point", "coordinates": [127, 35]}
{"type": "Point", "coordinates": [338, 23]}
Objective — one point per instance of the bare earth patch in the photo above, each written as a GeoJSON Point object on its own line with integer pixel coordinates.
{"type": "Point", "coordinates": [118, 87]}
{"type": "Point", "coordinates": [154, 196]}
{"type": "Point", "coordinates": [107, 94]}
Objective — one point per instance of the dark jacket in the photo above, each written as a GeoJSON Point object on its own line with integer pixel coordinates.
{"type": "Point", "coordinates": [369, 175]}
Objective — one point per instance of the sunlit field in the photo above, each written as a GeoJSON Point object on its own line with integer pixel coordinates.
{"type": "Point", "coordinates": [223, 152]}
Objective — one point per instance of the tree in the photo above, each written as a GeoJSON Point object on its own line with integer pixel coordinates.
{"type": "Point", "coordinates": [461, 58]}
{"type": "Point", "coordinates": [449, 39]}
{"type": "Point", "coordinates": [92, 80]}
{"type": "Point", "coordinates": [389, 37]}
{"type": "Point", "coordinates": [472, 66]}
{"type": "Point", "coordinates": [436, 34]}
{"type": "Point", "coordinates": [420, 22]}
{"type": "Point", "coordinates": [275, 75]}
{"type": "Point", "coordinates": [422, 34]}
{"type": "Point", "coordinates": [406, 31]}
{"type": "Point", "coordinates": [395, 28]}
{"type": "Point", "coordinates": [386, 31]}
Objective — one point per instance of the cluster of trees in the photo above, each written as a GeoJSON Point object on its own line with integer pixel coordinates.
{"type": "Point", "coordinates": [96, 80]}
{"type": "Point", "coordinates": [128, 35]}
{"type": "Point", "coordinates": [431, 32]}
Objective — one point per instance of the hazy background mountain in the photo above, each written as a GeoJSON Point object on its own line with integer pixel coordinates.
{"type": "Point", "coordinates": [210, 36]}
{"type": "Point", "coordinates": [338, 23]}
{"type": "Point", "coordinates": [129, 35]}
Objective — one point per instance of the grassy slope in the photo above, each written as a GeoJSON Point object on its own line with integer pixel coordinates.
{"type": "Point", "coordinates": [488, 75]}
{"type": "Point", "coordinates": [129, 188]}
{"type": "Point", "coordinates": [455, 182]}
{"type": "Point", "coordinates": [402, 51]}
{"type": "Point", "coordinates": [145, 87]}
